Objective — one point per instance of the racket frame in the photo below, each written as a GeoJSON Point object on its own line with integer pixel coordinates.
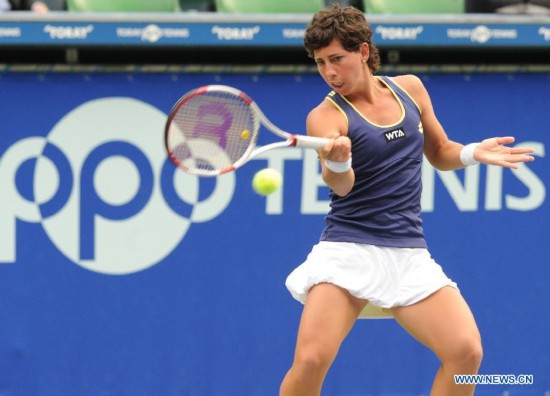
{"type": "Point", "coordinates": [290, 139]}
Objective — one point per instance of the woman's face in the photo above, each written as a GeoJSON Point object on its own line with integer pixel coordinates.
{"type": "Point", "coordinates": [340, 68]}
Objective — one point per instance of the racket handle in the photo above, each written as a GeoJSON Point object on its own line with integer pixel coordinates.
{"type": "Point", "coordinates": [310, 141]}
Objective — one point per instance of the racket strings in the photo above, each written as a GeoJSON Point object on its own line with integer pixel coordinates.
{"type": "Point", "coordinates": [212, 131]}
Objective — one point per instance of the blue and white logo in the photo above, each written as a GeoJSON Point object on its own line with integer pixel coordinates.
{"type": "Point", "coordinates": [103, 189]}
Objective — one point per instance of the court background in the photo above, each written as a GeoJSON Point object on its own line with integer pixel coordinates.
{"type": "Point", "coordinates": [194, 303]}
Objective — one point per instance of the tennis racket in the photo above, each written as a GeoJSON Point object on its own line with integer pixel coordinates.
{"type": "Point", "coordinates": [214, 129]}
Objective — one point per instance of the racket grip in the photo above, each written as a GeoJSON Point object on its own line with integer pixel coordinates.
{"type": "Point", "coordinates": [310, 141]}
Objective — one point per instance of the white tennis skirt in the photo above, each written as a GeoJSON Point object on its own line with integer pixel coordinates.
{"type": "Point", "coordinates": [385, 276]}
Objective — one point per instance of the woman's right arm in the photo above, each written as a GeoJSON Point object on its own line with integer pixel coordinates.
{"type": "Point", "coordinates": [326, 121]}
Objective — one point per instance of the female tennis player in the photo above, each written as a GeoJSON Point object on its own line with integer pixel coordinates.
{"type": "Point", "coordinates": [372, 258]}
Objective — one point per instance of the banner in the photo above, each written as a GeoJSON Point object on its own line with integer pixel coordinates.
{"type": "Point", "coordinates": [122, 275]}
{"type": "Point", "coordinates": [285, 31]}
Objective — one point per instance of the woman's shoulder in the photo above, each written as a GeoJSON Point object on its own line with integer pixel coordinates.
{"type": "Point", "coordinates": [408, 81]}
{"type": "Point", "coordinates": [325, 116]}
{"type": "Point", "coordinates": [414, 86]}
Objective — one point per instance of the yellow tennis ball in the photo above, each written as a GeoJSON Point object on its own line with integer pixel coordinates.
{"type": "Point", "coordinates": [267, 181]}
{"type": "Point", "coordinates": [245, 134]}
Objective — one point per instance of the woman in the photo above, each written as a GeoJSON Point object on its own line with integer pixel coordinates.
{"type": "Point", "coordinates": [372, 257]}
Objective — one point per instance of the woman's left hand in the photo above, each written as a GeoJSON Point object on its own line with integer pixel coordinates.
{"type": "Point", "coordinates": [494, 152]}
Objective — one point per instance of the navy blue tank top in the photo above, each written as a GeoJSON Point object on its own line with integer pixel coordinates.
{"type": "Point", "coordinates": [383, 207]}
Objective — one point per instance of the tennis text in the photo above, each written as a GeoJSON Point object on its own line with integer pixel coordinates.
{"type": "Point", "coordinates": [466, 190]}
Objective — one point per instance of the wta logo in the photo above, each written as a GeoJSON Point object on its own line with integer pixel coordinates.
{"type": "Point", "coordinates": [102, 188]}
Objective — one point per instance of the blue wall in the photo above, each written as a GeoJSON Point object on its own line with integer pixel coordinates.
{"type": "Point", "coordinates": [121, 276]}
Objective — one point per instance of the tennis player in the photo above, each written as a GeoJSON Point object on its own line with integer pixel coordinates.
{"type": "Point", "coordinates": [372, 258]}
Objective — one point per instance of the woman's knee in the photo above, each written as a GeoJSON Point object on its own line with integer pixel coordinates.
{"type": "Point", "coordinates": [466, 352]}
{"type": "Point", "coordinates": [472, 352]}
{"type": "Point", "coordinates": [314, 358]}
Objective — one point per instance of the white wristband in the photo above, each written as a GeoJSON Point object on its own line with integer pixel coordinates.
{"type": "Point", "coordinates": [338, 167]}
{"type": "Point", "coordinates": [467, 154]}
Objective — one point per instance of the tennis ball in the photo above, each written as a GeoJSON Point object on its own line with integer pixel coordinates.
{"type": "Point", "coordinates": [267, 181]}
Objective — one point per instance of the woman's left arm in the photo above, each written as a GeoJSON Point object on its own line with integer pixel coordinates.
{"type": "Point", "coordinates": [445, 154]}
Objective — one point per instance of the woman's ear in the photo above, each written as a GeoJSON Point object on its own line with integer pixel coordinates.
{"type": "Point", "coordinates": [365, 52]}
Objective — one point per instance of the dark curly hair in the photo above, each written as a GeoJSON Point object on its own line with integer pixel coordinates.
{"type": "Point", "coordinates": [348, 25]}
